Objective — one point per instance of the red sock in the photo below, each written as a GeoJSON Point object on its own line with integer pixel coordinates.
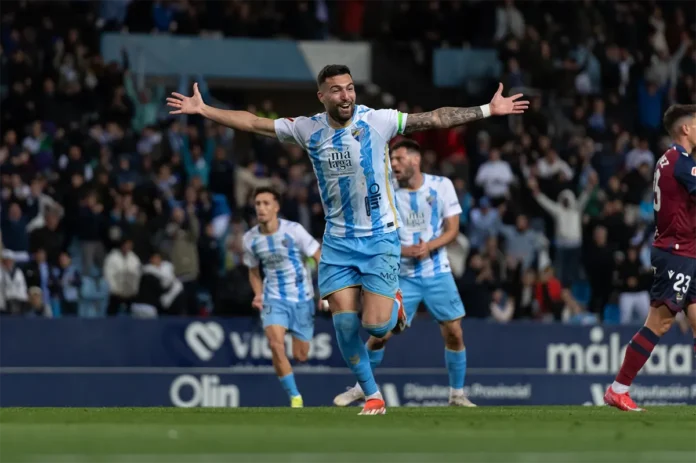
{"type": "Point", "coordinates": [637, 353]}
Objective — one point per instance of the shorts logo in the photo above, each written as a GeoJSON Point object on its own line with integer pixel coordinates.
{"type": "Point", "coordinates": [389, 276]}
{"type": "Point", "coordinates": [671, 274]}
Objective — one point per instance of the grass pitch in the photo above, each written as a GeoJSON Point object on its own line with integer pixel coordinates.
{"type": "Point", "coordinates": [404, 435]}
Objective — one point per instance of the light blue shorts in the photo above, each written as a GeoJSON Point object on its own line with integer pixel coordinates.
{"type": "Point", "coordinates": [296, 317]}
{"type": "Point", "coordinates": [439, 293]}
{"type": "Point", "coordinates": [372, 262]}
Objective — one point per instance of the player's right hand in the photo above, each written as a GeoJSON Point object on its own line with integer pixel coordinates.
{"type": "Point", "coordinates": [186, 104]}
{"type": "Point", "coordinates": [257, 303]}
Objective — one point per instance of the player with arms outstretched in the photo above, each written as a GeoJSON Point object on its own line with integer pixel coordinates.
{"type": "Point", "coordinates": [429, 209]}
{"type": "Point", "coordinates": [348, 148]}
{"type": "Point", "coordinates": [673, 254]}
{"type": "Point", "coordinates": [286, 296]}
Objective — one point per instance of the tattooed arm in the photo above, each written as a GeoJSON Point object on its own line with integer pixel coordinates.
{"type": "Point", "coordinates": [442, 118]}
{"type": "Point", "coordinates": [445, 118]}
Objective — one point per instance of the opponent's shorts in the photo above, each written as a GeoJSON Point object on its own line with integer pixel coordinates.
{"type": "Point", "coordinates": [372, 262]}
{"type": "Point", "coordinates": [439, 293]}
{"type": "Point", "coordinates": [296, 317]}
{"type": "Point", "coordinates": [673, 280]}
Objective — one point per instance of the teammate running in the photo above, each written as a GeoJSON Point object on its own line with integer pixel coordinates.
{"type": "Point", "coordinates": [429, 209]}
{"type": "Point", "coordinates": [286, 296]}
{"type": "Point", "coordinates": [673, 253]}
{"type": "Point", "coordinates": [348, 147]}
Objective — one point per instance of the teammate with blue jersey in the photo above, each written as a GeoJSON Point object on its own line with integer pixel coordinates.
{"type": "Point", "coordinates": [285, 297]}
{"type": "Point", "coordinates": [348, 148]}
{"type": "Point", "coordinates": [429, 209]}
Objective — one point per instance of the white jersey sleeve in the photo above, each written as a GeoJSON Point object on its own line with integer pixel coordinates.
{"type": "Point", "coordinates": [306, 242]}
{"type": "Point", "coordinates": [450, 199]}
{"type": "Point", "coordinates": [388, 122]}
{"type": "Point", "coordinates": [250, 259]}
{"type": "Point", "coordinates": [289, 130]}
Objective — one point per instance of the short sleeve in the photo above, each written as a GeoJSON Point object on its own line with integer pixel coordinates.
{"type": "Point", "coordinates": [450, 199]}
{"type": "Point", "coordinates": [287, 131]}
{"type": "Point", "coordinates": [306, 242]}
{"type": "Point", "coordinates": [685, 173]}
{"type": "Point", "coordinates": [250, 259]}
{"type": "Point", "coordinates": [389, 122]}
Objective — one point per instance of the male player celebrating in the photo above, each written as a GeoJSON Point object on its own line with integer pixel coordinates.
{"type": "Point", "coordinates": [348, 147]}
{"type": "Point", "coordinates": [673, 253]}
{"type": "Point", "coordinates": [286, 295]}
{"type": "Point", "coordinates": [429, 210]}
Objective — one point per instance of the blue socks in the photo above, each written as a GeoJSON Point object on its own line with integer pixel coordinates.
{"type": "Point", "coordinates": [456, 367]}
{"type": "Point", "coordinates": [380, 331]}
{"type": "Point", "coordinates": [347, 327]}
{"type": "Point", "coordinates": [376, 357]}
{"type": "Point", "coordinates": [288, 383]}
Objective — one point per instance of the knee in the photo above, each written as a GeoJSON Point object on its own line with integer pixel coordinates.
{"type": "Point", "coordinates": [300, 353]}
{"type": "Point", "coordinates": [277, 346]}
{"type": "Point", "coordinates": [660, 326]}
{"type": "Point", "coordinates": [453, 335]}
{"type": "Point", "coordinates": [375, 318]}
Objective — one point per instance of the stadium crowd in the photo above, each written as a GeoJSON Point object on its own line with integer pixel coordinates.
{"type": "Point", "coordinates": [111, 206]}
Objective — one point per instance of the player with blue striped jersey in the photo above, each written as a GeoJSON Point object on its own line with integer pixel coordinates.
{"type": "Point", "coordinates": [285, 297]}
{"type": "Point", "coordinates": [361, 253]}
{"type": "Point", "coordinates": [429, 209]}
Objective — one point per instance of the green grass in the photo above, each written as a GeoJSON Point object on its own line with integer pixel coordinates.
{"type": "Point", "coordinates": [493, 434]}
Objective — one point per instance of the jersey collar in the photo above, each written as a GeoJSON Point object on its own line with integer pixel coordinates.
{"type": "Point", "coordinates": [680, 148]}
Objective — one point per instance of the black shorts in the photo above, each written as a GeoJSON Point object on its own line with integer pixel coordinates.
{"type": "Point", "coordinates": [674, 282]}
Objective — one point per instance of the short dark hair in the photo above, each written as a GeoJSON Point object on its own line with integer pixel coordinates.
{"type": "Point", "coordinates": [676, 112]}
{"type": "Point", "coordinates": [332, 70]}
{"type": "Point", "coordinates": [267, 189]}
{"type": "Point", "coordinates": [410, 145]}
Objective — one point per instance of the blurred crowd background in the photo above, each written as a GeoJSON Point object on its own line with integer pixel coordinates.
{"type": "Point", "coordinates": [109, 206]}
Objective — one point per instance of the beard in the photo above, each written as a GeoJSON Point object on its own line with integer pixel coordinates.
{"type": "Point", "coordinates": [336, 114]}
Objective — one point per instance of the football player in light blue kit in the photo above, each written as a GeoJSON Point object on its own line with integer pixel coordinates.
{"type": "Point", "coordinates": [361, 252]}
{"type": "Point", "coordinates": [285, 297]}
{"type": "Point", "coordinates": [429, 208]}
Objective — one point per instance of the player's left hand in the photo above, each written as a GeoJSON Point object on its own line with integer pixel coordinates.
{"type": "Point", "coordinates": [502, 106]}
{"type": "Point", "coordinates": [421, 250]}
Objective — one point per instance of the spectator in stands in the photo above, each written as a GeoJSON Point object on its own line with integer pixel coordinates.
{"type": "Point", "coordinates": [567, 214]}
{"type": "Point", "coordinates": [37, 306]}
{"type": "Point", "coordinates": [521, 242]}
{"type": "Point", "coordinates": [122, 272]}
{"type": "Point", "coordinates": [632, 280]}
{"type": "Point", "coordinates": [485, 222]}
{"type": "Point", "coordinates": [181, 239]}
{"type": "Point", "coordinates": [599, 267]}
{"type": "Point", "coordinates": [14, 234]}
{"type": "Point", "coordinates": [495, 177]}
{"type": "Point", "coordinates": [13, 286]}
{"type": "Point", "coordinates": [65, 285]}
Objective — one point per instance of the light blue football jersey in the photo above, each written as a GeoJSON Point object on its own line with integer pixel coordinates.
{"type": "Point", "coordinates": [282, 255]}
{"type": "Point", "coordinates": [352, 168]}
{"type": "Point", "coordinates": [423, 212]}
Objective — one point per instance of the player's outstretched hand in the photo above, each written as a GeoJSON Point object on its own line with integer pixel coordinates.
{"type": "Point", "coordinates": [502, 106]}
{"type": "Point", "coordinates": [186, 104]}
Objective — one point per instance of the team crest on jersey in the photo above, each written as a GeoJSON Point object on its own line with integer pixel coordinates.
{"type": "Point", "coordinates": [430, 199]}
{"type": "Point", "coordinates": [357, 133]}
{"type": "Point", "coordinates": [285, 243]}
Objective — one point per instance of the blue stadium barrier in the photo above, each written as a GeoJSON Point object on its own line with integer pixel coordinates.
{"type": "Point", "coordinates": [215, 362]}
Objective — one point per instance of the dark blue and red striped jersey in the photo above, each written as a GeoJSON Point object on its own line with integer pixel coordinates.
{"type": "Point", "coordinates": [674, 186]}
